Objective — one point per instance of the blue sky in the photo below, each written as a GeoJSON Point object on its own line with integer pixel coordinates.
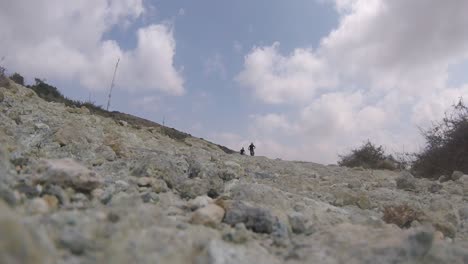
{"type": "Point", "coordinates": [303, 79]}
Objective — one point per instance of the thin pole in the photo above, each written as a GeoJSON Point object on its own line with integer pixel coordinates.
{"type": "Point", "coordinates": [112, 84]}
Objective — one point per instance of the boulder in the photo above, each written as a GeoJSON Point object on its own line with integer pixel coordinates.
{"type": "Point", "coordinates": [67, 173]}
{"type": "Point", "coordinates": [456, 175]}
{"type": "Point", "coordinates": [210, 215]}
{"type": "Point", "coordinates": [257, 219]}
{"type": "Point", "coordinates": [406, 181]}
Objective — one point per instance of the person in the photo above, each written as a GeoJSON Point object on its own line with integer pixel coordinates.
{"type": "Point", "coordinates": [242, 152]}
{"type": "Point", "coordinates": [251, 148]}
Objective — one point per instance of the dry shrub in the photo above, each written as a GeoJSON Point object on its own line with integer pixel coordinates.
{"type": "Point", "coordinates": [401, 215]}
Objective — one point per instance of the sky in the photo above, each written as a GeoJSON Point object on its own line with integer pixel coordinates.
{"type": "Point", "coordinates": [302, 79]}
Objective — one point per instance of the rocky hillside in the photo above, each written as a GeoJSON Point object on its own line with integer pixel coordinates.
{"type": "Point", "coordinates": [76, 187]}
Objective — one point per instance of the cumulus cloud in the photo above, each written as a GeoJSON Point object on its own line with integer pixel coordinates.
{"type": "Point", "coordinates": [66, 40]}
{"type": "Point", "coordinates": [278, 79]}
{"type": "Point", "coordinates": [389, 61]}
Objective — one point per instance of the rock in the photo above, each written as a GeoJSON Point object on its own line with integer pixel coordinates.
{"type": "Point", "coordinates": [406, 181]}
{"type": "Point", "coordinates": [8, 195]}
{"type": "Point", "coordinates": [151, 197]}
{"type": "Point", "coordinates": [345, 197]}
{"type": "Point", "coordinates": [52, 201]}
{"type": "Point", "coordinates": [145, 182]}
{"type": "Point", "coordinates": [463, 212]}
{"type": "Point", "coordinates": [70, 134]}
{"type": "Point", "coordinates": [363, 201]}
{"type": "Point", "coordinates": [230, 171]}
{"type": "Point", "coordinates": [19, 244]}
{"type": "Point", "coordinates": [263, 175]}
{"type": "Point", "coordinates": [122, 185]}
{"type": "Point", "coordinates": [28, 190]}
{"type": "Point", "coordinates": [435, 187]}
{"type": "Point", "coordinates": [38, 206]}
{"type": "Point", "coordinates": [280, 234]}
{"type": "Point", "coordinates": [97, 193]}
{"type": "Point", "coordinates": [447, 228]}
{"type": "Point", "coordinates": [2, 97]}
{"type": "Point", "coordinates": [220, 252]}
{"type": "Point", "coordinates": [354, 184]}
{"type": "Point", "coordinates": [193, 188]}
{"type": "Point", "coordinates": [298, 223]}
{"type": "Point", "coordinates": [123, 123]}
{"type": "Point", "coordinates": [456, 175]}
{"type": "Point", "coordinates": [213, 194]}
{"type": "Point", "coordinates": [79, 197]}
{"type": "Point", "coordinates": [159, 186]}
{"type": "Point", "coordinates": [257, 219]}
{"type": "Point", "coordinates": [444, 178]}
{"type": "Point", "coordinates": [210, 215]}
{"type": "Point", "coordinates": [113, 217]}
{"type": "Point", "coordinates": [438, 236]}
{"type": "Point", "coordinates": [106, 196]}
{"type": "Point", "coordinates": [106, 153]}
{"type": "Point", "coordinates": [419, 243]}
{"type": "Point", "coordinates": [73, 240]}
{"type": "Point", "coordinates": [199, 202]}
{"type": "Point", "coordinates": [67, 173]}
{"type": "Point", "coordinates": [57, 192]}
{"type": "Point", "coordinates": [239, 235]}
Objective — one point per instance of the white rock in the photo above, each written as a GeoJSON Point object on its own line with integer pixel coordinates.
{"type": "Point", "coordinates": [199, 202]}
{"type": "Point", "coordinates": [38, 206]}
{"type": "Point", "coordinates": [67, 173]}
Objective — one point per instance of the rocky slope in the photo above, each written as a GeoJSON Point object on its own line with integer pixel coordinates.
{"type": "Point", "coordinates": [82, 188]}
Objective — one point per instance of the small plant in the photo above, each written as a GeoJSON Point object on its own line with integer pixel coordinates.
{"type": "Point", "coordinates": [401, 215]}
{"type": "Point", "coordinates": [368, 156]}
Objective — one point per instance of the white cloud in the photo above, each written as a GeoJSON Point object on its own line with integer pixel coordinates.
{"type": "Point", "coordinates": [237, 46]}
{"type": "Point", "coordinates": [181, 12]}
{"type": "Point", "coordinates": [65, 40]}
{"type": "Point", "coordinates": [214, 65]}
{"type": "Point", "coordinates": [379, 75]}
{"type": "Point", "coordinates": [149, 103]}
{"type": "Point", "coordinates": [278, 79]}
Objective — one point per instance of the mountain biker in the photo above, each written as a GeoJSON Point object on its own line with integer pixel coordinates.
{"type": "Point", "coordinates": [242, 152]}
{"type": "Point", "coordinates": [251, 148]}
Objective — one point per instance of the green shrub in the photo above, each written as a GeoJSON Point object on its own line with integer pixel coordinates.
{"type": "Point", "coordinates": [369, 156]}
{"type": "Point", "coordinates": [3, 79]}
{"type": "Point", "coordinates": [17, 78]}
{"type": "Point", "coordinates": [446, 147]}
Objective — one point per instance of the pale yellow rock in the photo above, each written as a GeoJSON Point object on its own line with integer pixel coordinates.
{"type": "Point", "coordinates": [210, 215]}
{"type": "Point", "coordinates": [52, 201]}
{"type": "Point", "coordinates": [439, 236]}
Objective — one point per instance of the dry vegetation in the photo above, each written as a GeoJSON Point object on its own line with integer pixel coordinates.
{"type": "Point", "coordinates": [401, 215]}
